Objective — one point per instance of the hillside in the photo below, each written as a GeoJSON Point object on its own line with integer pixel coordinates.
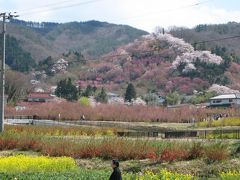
{"type": "Point", "coordinates": [16, 57]}
{"type": "Point", "coordinates": [91, 38]}
{"type": "Point", "coordinates": [160, 63]}
{"type": "Point", "coordinates": [204, 32]}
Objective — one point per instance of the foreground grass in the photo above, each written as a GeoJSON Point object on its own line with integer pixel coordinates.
{"type": "Point", "coordinates": [230, 175]}
{"type": "Point", "coordinates": [201, 159]}
{"type": "Point", "coordinates": [40, 140]}
{"type": "Point", "coordinates": [94, 175]}
{"type": "Point", "coordinates": [40, 167]}
{"type": "Point", "coordinates": [53, 172]}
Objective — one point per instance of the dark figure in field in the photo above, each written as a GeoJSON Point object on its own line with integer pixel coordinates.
{"type": "Point", "coordinates": [116, 174]}
{"type": "Point", "coordinates": [83, 117]}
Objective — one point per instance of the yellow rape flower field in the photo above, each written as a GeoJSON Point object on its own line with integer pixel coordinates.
{"type": "Point", "coordinates": [63, 168]}
{"type": "Point", "coordinates": [22, 163]}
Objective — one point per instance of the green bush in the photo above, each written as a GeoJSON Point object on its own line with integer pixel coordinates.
{"type": "Point", "coordinates": [84, 101]}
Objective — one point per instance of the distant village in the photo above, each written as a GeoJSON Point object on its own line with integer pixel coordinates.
{"type": "Point", "coordinates": [40, 96]}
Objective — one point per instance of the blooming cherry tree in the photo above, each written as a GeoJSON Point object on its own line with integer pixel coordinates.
{"type": "Point", "coordinates": [221, 89]}
{"type": "Point", "coordinates": [190, 58]}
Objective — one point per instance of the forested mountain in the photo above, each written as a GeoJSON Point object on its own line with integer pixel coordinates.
{"type": "Point", "coordinates": [16, 57]}
{"type": "Point", "coordinates": [161, 63]}
{"type": "Point", "coordinates": [91, 38]}
{"type": "Point", "coordinates": [214, 35]}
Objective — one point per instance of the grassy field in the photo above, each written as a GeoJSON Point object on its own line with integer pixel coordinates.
{"type": "Point", "coordinates": [26, 166]}
{"type": "Point", "coordinates": [86, 153]}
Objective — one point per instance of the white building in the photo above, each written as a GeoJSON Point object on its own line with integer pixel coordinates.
{"type": "Point", "coordinates": [139, 101]}
{"type": "Point", "coordinates": [225, 100]}
{"type": "Point", "coordinates": [114, 98]}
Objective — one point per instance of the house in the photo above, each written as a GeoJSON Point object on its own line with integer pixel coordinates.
{"type": "Point", "coordinates": [112, 95]}
{"type": "Point", "coordinates": [225, 100]}
{"type": "Point", "coordinates": [39, 97]}
{"type": "Point", "coordinates": [114, 98]}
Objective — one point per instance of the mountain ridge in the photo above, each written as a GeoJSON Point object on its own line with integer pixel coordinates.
{"type": "Point", "coordinates": [157, 63]}
{"type": "Point", "coordinates": [92, 38]}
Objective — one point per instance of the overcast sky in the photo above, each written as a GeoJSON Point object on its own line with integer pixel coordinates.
{"type": "Point", "coordinates": [143, 14]}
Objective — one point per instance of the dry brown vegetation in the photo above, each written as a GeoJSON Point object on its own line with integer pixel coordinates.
{"type": "Point", "coordinates": [74, 111]}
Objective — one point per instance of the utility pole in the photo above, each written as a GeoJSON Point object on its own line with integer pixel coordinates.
{"type": "Point", "coordinates": [2, 75]}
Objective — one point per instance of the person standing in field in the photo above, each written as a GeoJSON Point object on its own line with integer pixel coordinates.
{"type": "Point", "coordinates": [116, 174]}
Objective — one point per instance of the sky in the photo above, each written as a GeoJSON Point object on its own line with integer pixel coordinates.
{"type": "Point", "coordinates": [142, 14]}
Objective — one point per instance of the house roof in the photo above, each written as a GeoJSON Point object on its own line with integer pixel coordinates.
{"type": "Point", "coordinates": [226, 96]}
{"type": "Point", "coordinates": [44, 95]}
{"type": "Point", "coordinates": [27, 104]}
{"type": "Point", "coordinates": [112, 94]}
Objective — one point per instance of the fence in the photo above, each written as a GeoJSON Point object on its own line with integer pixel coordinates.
{"type": "Point", "coordinates": [137, 132]}
{"type": "Point", "coordinates": [197, 134]}
{"type": "Point", "coordinates": [19, 117]}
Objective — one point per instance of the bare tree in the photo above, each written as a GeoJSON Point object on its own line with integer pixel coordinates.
{"type": "Point", "coordinates": [17, 85]}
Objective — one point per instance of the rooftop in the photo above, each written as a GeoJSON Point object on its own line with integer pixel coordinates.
{"type": "Point", "coordinates": [226, 96]}
{"type": "Point", "coordinates": [40, 95]}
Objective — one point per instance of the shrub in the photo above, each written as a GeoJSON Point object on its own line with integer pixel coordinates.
{"type": "Point", "coordinates": [38, 140]}
{"type": "Point", "coordinates": [216, 152]}
{"type": "Point", "coordinates": [196, 151]}
{"type": "Point", "coordinates": [7, 143]}
{"type": "Point", "coordinates": [84, 101]}
{"type": "Point", "coordinates": [170, 155]}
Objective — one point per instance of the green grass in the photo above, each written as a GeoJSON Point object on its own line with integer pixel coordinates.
{"type": "Point", "coordinates": [80, 175]}
{"type": "Point", "coordinates": [93, 175]}
{"type": "Point", "coordinates": [231, 175]}
{"type": "Point", "coordinates": [219, 135]}
{"type": "Point", "coordinates": [103, 175]}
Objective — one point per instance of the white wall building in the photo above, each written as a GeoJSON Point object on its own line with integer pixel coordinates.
{"type": "Point", "coordinates": [225, 100]}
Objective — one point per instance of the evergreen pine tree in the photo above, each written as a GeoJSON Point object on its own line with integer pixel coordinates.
{"type": "Point", "coordinates": [130, 93]}
{"type": "Point", "coordinates": [102, 96]}
{"type": "Point", "coordinates": [89, 91]}
{"type": "Point", "coordinates": [65, 89]}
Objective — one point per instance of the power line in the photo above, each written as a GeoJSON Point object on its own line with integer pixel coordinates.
{"type": "Point", "coordinates": [60, 7]}
{"type": "Point", "coordinates": [118, 55]}
{"type": "Point", "coordinates": [92, 1]}
{"type": "Point", "coordinates": [156, 52]}
{"type": "Point", "coordinates": [45, 6]}
{"type": "Point", "coordinates": [201, 42]}
{"type": "Point", "coordinates": [220, 39]}
{"type": "Point", "coordinates": [164, 11]}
